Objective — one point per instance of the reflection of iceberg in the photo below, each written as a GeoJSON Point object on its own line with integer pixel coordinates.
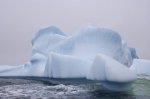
{"type": "Point", "coordinates": [94, 54]}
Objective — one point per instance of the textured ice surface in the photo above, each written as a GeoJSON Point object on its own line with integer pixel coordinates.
{"type": "Point", "coordinates": [66, 66]}
{"type": "Point", "coordinates": [92, 40]}
{"type": "Point", "coordinates": [47, 38]}
{"type": "Point", "coordinates": [93, 53]}
{"type": "Point", "coordinates": [105, 68]}
{"type": "Point", "coordinates": [38, 62]}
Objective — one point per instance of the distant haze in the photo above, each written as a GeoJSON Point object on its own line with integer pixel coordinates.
{"type": "Point", "coordinates": [21, 19]}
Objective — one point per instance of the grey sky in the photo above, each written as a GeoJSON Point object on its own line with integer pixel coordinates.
{"type": "Point", "coordinates": [20, 19]}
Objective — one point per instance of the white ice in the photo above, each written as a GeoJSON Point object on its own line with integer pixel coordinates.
{"type": "Point", "coordinates": [93, 53]}
{"type": "Point", "coordinates": [105, 68]}
{"type": "Point", "coordinates": [92, 40]}
{"type": "Point", "coordinates": [66, 66]}
{"type": "Point", "coordinates": [141, 66]}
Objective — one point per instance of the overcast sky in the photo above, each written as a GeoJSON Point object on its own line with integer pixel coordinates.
{"type": "Point", "coordinates": [20, 19]}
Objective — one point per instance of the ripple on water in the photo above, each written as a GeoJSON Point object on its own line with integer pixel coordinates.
{"type": "Point", "coordinates": [30, 89]}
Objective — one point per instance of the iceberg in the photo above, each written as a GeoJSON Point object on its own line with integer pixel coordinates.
{"type": "Point", "coordinates": [92, 40]}
{"type": "Point", "coordinates": [141, 67]}
{"type": "Point", "coordinates": [105, 68]}
{"type": "Point", "coordinates": [46, 39]}
{"type": "Point", "coordinates": [93, 54]}
{"type": "Point", "coordinates": [112, 74]}
{"type": "Point", "coordinates": [66, 66]}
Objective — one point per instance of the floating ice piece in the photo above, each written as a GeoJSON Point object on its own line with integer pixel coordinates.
{"type": "Point", "coordinates": [141, 66]}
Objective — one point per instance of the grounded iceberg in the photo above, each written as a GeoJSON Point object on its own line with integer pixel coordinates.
{"type": "Point", "coordinates": [94, 54]}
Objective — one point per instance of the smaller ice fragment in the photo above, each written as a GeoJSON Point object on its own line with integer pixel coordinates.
{"type": "Point", "coordinates": [141, 66]}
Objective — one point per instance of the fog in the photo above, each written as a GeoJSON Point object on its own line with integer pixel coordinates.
{"type": "Point", "coordinates": [21, 19]}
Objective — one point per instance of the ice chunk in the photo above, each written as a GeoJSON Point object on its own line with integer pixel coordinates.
{"type": "Point", "coordinates": [48, 30]}
{"type": "Point", "coordinates": [112, 74]}
{"type": "Point", "coordinates": [65, 66]}
{"type": "Point", "coordinates": [92, 40]}
{"type": "Point", "coordinates": [19, 70]}
{"type": "Point", "coordinates": [46, 39]}
{"type": "Point", "coordinates": [38, 62]}
{"type": "Point", "coordinates": [107, 69]}
{"type": "Point", "coordinates": [56, 55]}
{"type": "Point", "coordinates": [141, 66]}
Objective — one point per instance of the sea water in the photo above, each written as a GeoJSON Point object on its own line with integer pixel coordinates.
{"type": "Point", "coordinates": [14, 88]}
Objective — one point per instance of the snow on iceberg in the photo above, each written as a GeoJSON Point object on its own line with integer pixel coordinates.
{"type": "Point", "coordinates": [93, 53]}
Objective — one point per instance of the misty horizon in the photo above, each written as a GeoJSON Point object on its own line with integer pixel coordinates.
{"type": "Point", "coordinates": [21, 19]}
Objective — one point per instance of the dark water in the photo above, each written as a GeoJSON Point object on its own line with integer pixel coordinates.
{"type": "Point", "coordinates": [30, 89]}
